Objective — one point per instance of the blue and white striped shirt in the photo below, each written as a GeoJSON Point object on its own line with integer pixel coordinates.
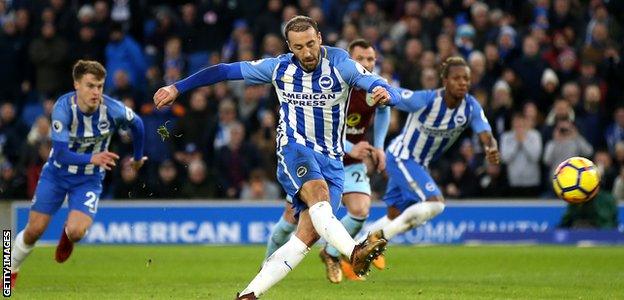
{"type": "Point", "coordinates": [87, 134]}
{"type": "Point", "coordinates": [431, 127]}
{"type": "Point", "coordinates": [312, 104]}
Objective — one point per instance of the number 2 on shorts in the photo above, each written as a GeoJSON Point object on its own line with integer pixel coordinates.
{"type": "Point", "coordinates": [92, 202]}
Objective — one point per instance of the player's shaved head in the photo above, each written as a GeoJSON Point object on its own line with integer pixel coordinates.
{"type": "Point", "coordinates": [83, 67]}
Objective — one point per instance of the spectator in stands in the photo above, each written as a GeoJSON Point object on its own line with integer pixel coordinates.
{"type": "Point", "coordinates": [234, 161]}
{"type": "Point", "coordinates": [590, 118]}
{"type": "Point", "coordinates": [499, 113]}
{"type": "Point", "coordinates": [606, 169]}
{"type": "Point", "coordinates": [265, 140]}
{"type": "Point", "coordinates": [199, 183]}
{"type": "Point", "coordinates": [219, 134]}
{"type": "Point", "coordinates": [561, 110]}
{"type": "Point", "coordinates": [493, 182]}
{"type": "Point", "coordinates": [168, 185]}
{"type": "Point", "coordinates": [521, 150]}
{"type": "Point", "coordinates": [49, 55]}
{"type": "Point", "coordinates": [615, 132]}
{"type": "Point", "coordinates": [566, 142]}
{"type": "Point", "coordinates": [124, 53]}
{"type": "Point", "coordinates": [12, 132]}
{"type": "Point", "coordinates": [189, 130]}
{"type": "Point", "coordinates": [549, 89]}
{"type": "Point", "coordinates": [258, 187]}
{"type": "Point", "coordinates": [460, 182]}
{"type": "Point", "coordinates": [12, 184]}
{"type": "Point", "coordinates": [128, 185]}
{"type": "Point", "coordinates": [618, 185]}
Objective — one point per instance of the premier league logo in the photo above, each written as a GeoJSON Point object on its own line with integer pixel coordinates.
{"type": "Point", "coordinates": [326, 82]}
{"type": "Point", "coordinates": [57, 126]}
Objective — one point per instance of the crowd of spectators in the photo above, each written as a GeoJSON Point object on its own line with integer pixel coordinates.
{"type": "Point", "coordinates": [549, 74]}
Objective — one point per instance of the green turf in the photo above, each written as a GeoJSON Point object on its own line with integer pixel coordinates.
{"type": "Point", "coordinates": [437, 272]}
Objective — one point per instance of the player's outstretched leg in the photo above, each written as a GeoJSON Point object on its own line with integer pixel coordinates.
{"type": "Point", "coordinates": [380, 261]}
{"type": "Point", "coordinates": [282, 230]}
{"type": "Point", "coordinates": [284, 260]}
{"type": "Point", "coordinates": [25, 241]}
{"type": "Point", "coordinates": [328, 227]}
{"type": "Point", "coordinates": [413, 216]}
{"type": "Point", "coordinates": [73, 231]}
{"type": "Point", "coordinates": [357, 202]}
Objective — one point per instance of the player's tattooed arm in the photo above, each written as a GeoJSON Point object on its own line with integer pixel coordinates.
{"type": "Point", "coordinates": [491, 147]}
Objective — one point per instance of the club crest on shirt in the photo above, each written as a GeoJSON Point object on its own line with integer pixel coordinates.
{"type": "Point", "coordinates": [103, 125]}
{"type": "Point", "coordinates": [57, 126]}
{"type": "Point", "coordinates": [326, 82]}
{"type": "Point", "coordinates": [459, 119]}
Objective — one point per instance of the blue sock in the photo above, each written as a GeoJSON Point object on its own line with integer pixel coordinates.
{"type": "Point", "coordinates": [353, 226]}
{"type": "Point", "coordinates": [279, 235]}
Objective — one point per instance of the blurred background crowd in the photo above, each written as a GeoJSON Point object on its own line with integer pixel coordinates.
{"type": "Point", "coordinates": [549, 74]}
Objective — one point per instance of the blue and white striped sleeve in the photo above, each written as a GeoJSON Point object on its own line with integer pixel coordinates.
{"type": "Point", "coordinates": [411, 101]}
{"type": "Point", "coordinates": [479, 122]}
{"type": "Point", "coordinates": [259, 71]}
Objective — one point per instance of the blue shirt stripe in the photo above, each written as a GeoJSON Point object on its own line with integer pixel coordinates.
{"type": "Point", "coordinates": [319, 129]}
{"type": "Point", "coordinates": [436, 123]}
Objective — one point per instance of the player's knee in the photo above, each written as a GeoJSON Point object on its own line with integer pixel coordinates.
{"type": "Point", "coordinates": [438, 198]}
{"type": "Point", "coordinates": [75, 232]}
{"type": "Point", "coordinates": [315, 191]}
{"type": "Point", "coordinates": [360, 212]}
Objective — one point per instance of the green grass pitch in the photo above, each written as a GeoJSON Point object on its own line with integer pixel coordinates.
{"type": "Point", "coordinates": [433, 272]}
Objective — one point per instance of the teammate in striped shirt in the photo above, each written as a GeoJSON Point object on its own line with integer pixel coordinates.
{"type": "Point", "coordinates": [83, 123]}
{"type": "Point", "coordinates": [356, 192]}
{"type": "Point", "coordinates": [436, 119]}
{"type": "Point", "coordinates": [312, 84]}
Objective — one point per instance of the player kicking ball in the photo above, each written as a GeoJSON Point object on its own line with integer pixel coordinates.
{"type": "Point", "coordinates": [83, 123]}
{"type": "Point", "coordinates": [435, 121]}
{"type": "Point", "coordinates": [356, 193]}
{"type": "Point", "coordinates": [312, 84]}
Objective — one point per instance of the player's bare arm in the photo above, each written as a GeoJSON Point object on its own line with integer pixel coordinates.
{"type": "Point", "coordinates": [490, 146]}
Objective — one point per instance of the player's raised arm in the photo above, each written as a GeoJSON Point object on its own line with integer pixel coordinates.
{"type": "Point", "coordinates": [356, 75]}
{"type": "Point", "coordinates": [380, 130]}
{"type": "Point", "coordinates": [255, 72]}
{"type": "Point", "coordinates": [411, 101]}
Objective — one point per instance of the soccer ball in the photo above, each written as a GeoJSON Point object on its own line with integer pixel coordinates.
{"type": "Point", "coordinates": [576, 180]}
